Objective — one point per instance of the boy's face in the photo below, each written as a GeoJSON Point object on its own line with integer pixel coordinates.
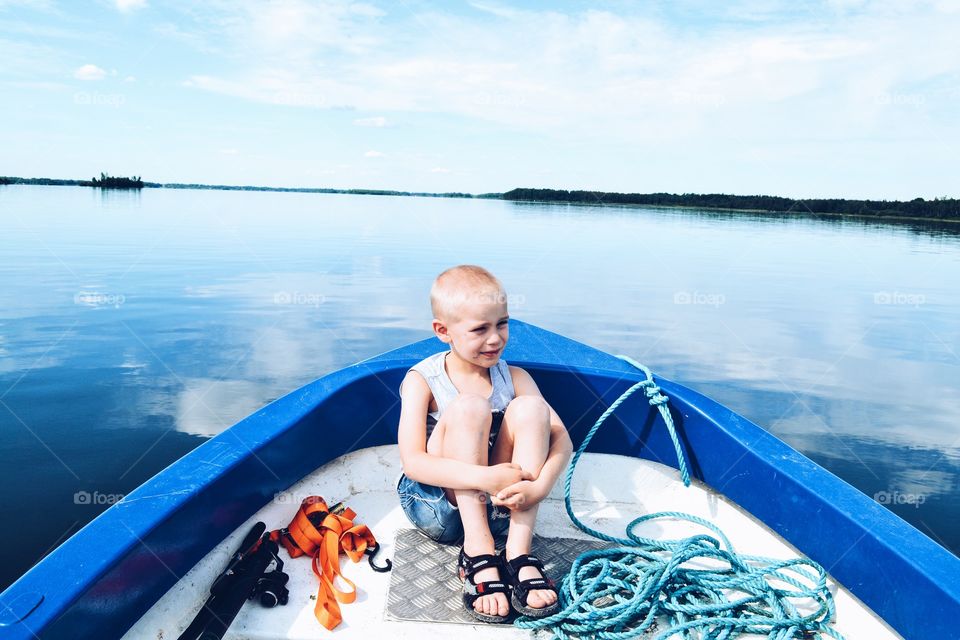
{"type": "Point", "coordinates": [479, 332]}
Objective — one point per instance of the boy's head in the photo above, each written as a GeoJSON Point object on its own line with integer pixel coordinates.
{"type": "Point", "coordinates": [470, 313]}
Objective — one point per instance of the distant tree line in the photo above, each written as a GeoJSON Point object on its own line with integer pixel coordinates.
{"type": "Point", "coordinates": [939, 208]}
{"type": "Point", "coordinates": [936, 209]}
{"type": "Point", "coordinates": [365, 192]}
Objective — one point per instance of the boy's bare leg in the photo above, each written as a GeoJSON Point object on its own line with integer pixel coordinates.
{"type": "Point", "coordinates": [525, 440]}
{"type": "Point", "coordinates": [465, 434]}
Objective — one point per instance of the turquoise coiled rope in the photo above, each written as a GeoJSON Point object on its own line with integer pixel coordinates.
{"type": "Point", "coordinates": [644, 585]}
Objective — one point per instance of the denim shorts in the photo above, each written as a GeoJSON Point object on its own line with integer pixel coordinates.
{"type": "Point", "coordinates": [429, 510]}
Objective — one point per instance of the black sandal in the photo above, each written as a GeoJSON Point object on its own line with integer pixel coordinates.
{"type": "Point", "coordinates": [467, 567]}
{"type": "Point", "coordinates": [521, 588]}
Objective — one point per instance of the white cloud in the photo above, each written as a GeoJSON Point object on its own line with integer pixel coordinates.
{"type": "Point", "coordinates": [374, 154]}
{"type": "Point", "coordinates": [378, 121]}
{"type": "Point", "coordinates": [808, 82]}
{"type": "Point", "coordinates": [439, 170]}
{"type": "Point", "coordinates": [625, 77]}
{"type": "Point", "coordinates": [89, 72]}
{"type": "Point", "coordinates": [130, 5]}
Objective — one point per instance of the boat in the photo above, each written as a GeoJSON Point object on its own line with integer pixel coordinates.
{"type": "Point", "coordinates": [143, 567]}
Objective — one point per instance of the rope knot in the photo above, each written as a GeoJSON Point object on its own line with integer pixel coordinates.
{"type": "Point", "coordinates": [655, 397]}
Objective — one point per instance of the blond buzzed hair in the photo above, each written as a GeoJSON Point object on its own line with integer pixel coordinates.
{"type": "Point", "coordinates": [460, 284]}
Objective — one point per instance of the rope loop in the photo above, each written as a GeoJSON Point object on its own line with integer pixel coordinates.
{"type": "Point", "coordinates": [691, 588]}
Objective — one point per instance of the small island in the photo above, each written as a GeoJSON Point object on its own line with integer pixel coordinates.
{"type": "Point", "coordinates": [106, 181]}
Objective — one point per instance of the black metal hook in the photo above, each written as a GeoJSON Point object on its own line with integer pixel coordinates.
{"type": "Point", "coordinates": [372, 551]}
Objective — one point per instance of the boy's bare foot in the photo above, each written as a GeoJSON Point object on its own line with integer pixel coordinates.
{"type": "Point", "coordinates": [495, 604]}
{"type": "Point", "coordinates": [534, 594]}
{"type": "Point", "coordinates": [538, 598]}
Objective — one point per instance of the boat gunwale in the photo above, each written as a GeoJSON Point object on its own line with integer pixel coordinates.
{"type": "Point", "coordinates": [930, 563]}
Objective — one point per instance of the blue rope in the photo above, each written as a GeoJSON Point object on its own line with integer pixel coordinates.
{"type": "Point", "coordinates": [695, 588]}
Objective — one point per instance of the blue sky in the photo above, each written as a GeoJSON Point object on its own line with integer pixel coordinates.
{"type": "Point", "coordinates": [846, 98]}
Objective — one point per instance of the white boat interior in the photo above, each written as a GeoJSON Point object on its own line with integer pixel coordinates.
{"type": "Point", "coordinates": [608, 492]}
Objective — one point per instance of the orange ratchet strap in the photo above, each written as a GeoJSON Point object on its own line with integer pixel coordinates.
{"type": "Point", "coordinates": [322, 532]}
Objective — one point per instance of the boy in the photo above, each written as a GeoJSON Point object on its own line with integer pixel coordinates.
{"type": "Point", "coordinates": [480, 448]}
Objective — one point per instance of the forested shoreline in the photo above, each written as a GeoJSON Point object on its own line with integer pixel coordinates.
{"type": "Point", "coordinates": [937, 209]}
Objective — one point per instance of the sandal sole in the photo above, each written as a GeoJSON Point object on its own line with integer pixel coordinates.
{"type": "Point", "coordinates": [533, 612]}
{"type": "Point", "coordinates": [488, 619]}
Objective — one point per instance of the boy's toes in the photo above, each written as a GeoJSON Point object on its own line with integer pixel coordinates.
{"type": "Point", "coordinates": [503, 608]}
{"type": "Point", "coordinates": [482, 605]}
{"type": "Point", "coordinates": [540, 598]}
{"type": "Point", "coordinates": [493, 605]}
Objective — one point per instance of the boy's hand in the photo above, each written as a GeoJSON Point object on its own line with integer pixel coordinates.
{"type": "Point", "coordinates": [500, 476]}
{"type": "Point", "coordinates": [519, 496]}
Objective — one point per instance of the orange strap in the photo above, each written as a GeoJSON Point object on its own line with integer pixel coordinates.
{"type": "Point", "coordinates": [322, 533]}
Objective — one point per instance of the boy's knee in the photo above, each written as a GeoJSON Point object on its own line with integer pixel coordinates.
{"type": "Point", "coordinates": [529, 410]}
{"type": "Point", "coordinates": [469, 408]}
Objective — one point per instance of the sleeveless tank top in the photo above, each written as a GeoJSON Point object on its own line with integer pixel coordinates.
{"type": "Point", "coordinates": [434, 372]}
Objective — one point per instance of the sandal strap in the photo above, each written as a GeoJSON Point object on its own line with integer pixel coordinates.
{"type": "Point", "coordinates": [484, 588]}
{"type": "Point", "coordinates": [473, 564]}
{"type": "Point", "coordinates": [522, 588]}
{"type": "Point", "coordinates": [525, 560]}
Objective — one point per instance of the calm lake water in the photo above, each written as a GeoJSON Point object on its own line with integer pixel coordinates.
{"type": "Point", "coordinates": [133, 327]}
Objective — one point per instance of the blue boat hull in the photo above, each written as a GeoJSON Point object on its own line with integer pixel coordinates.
{"type": "Point", "coordinates": [101, 580]}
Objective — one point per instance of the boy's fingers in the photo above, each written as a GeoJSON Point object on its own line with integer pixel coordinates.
{"type": "Point", "coordinates": [509, 490]}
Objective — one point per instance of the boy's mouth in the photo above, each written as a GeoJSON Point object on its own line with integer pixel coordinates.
{"type": "Point", "coordinates": [489, 354]}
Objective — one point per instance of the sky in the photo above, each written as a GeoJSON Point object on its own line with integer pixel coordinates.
{"type": "Point", "coordinates": [844, 98]}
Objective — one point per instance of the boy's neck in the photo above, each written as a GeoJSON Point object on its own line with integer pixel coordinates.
{"type": "Point", "coordinates": [455, 364]}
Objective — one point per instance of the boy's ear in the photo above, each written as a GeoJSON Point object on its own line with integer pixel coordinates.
{"type": "Point", "coordinates": [440, 330]}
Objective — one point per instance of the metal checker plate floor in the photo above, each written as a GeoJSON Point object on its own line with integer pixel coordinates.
{"type": "Point", "coordinates": [424, 585]}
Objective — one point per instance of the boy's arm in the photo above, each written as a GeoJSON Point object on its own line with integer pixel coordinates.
{"type": "Point", "coordinates": [434, 470]}
{"type": "Point", "coordinates": [558, 454]}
